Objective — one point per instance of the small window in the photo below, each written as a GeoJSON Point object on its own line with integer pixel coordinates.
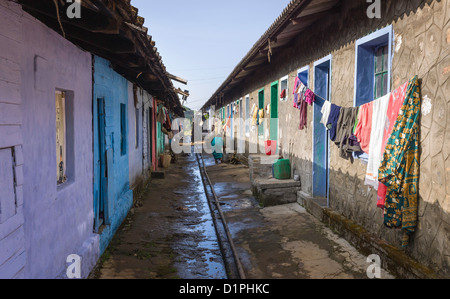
{"type": "Point", "coordinates": [247, 115]}
{"type": "Point", "coordinates": [123, 129]}
{"type": "Point", "coordinates": [373, 69]}
{"type": "Point", "coordinates": [136, 128]}
{"type": "Point", "coordinates": [65, 166]}
{"type": "Point", "coordinates": [61, 141]}
{"type": "Point", "coordinates": [373, 66]}
{"type": "Point", "coordinates": [284, 89]}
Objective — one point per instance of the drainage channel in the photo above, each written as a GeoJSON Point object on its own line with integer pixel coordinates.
{"type": "Point", "coordinates": [230, 255]}
{"type": "Point", "coordinates": [199, 251]}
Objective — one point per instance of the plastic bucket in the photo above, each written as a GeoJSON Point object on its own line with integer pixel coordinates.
{"type": "Point", "coordinates": [271, 147]}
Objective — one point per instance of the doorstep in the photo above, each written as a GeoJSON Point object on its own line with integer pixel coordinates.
{"type": "Point", "coordinates": [314, 205]}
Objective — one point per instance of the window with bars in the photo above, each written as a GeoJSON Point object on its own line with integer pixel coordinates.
{"type": "Point", "coordinates": [65, 133]}
{"type": "Point", "coordinates": [61, 164]}
{"type": "Point", "coordinates": [381, 72]}
{"type": "Point", "coordinates": [373, 69]}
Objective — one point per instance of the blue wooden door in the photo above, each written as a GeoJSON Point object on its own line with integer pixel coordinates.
{"type": "Point", "coordinates": [101, 179]}
{"type": "Point", "coordinates": [320, 134]}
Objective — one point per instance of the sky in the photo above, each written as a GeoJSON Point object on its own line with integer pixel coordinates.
{"type": "Point", "coordinates": [202, 41]}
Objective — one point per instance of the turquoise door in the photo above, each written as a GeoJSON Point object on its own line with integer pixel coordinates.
{"type": "Point", "coordinates": [320, 135]}
{"type": "Point", "coordinates": [274, 112]}
{"type": "Point", "coordinates": [261, 106]}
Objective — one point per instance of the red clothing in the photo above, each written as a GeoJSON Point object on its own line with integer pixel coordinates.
{"type": "Point", "coordinates": [396, 101]}
{"type": "Point", "coordinates": [364, 128]}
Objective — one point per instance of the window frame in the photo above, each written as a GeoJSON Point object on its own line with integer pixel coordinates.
{"type": "Point", "coordinates": [137, 128]}
{"type": "Point", "coordinates": [284, 80]}
{"type": "Point", "coordinates": [365, 63]}
{"type": "Point", "coordinates": [365, 52]}
{"type": "Point", "coordinates": [247, 115]}
{"type": "Point", "coordinates": [68, 97]}
{"type": "Point", "coordinates": [63, 154]}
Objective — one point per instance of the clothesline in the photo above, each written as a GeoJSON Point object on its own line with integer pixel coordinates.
{"type": "Point", "coordinates": [386, 129]}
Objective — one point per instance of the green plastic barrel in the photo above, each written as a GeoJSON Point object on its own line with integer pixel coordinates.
{"type": "Point", "coordinates": [281, 169]}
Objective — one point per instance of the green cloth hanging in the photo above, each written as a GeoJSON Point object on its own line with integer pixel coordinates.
{"type": "Point", "coordinates": [399, 169]}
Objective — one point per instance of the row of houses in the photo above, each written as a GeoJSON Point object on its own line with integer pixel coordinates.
{"type": "Point", "coordinates": [350, 53]}
{"type": "Point", "coordinates": [79, 99]}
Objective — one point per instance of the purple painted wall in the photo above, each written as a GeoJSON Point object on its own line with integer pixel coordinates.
{"type": "Point", "coordinates": [12, 237]}
{"type": "Point", "coordinates": [57, 220]}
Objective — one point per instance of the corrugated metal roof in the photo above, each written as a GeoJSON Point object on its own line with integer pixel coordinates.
{"type": "Point", "coordinates": [112, 29]}
{"type": "Point", "coordinates": [295, 18]}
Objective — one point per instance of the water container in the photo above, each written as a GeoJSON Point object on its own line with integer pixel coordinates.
{"type": "Point", "coordinates": [271, 147]}
{"type": "Point", "coordinates": [281, 169]}
{"type": "Point", "coordinates": [165, 160]}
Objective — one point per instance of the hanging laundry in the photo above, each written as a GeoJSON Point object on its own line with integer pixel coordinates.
{"type": "Point", "coordinates": [326, 108]}
{"type": "Point", "coordinates": [261, 115]}
{"type": "Point", "coordinates": [396, 101]}
{"type": "Point", "coordinates": [364, 126]}
{"type": "Point", "coordinates": [332, 120]}
{"type": "Point", "coordinates": [227, 124]}
{"type": "Point", "coordinates": [301, 91]}
{"type": "Point", "coordinates": [267, 112]}
{"type": "Point", "coordinates": [283, 94]}
{"type": "Point", "coordinates": [161, 117]}
{"type": "Point", "coordinates": [310, 97]}
{"type": "Point", "coordinates": [254, 115]}
{"type": "Point", "coordinates": [376, 139]}
{"type": "Point", "coordinates": [303, 115]}
{"type": "Point", "coordinates": [399, 169]}
{"type": "Point", "coordinates": [168, 121]}
{"type": "Point", "coordinates": [344, 132]}
{"type": "Point", "coordinates": [296, 85]}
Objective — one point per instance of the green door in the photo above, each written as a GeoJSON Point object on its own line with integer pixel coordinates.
{"type": "Point", "coordinates": [261, 106]}
{"type": "Point", "coordinates": [274, 111]}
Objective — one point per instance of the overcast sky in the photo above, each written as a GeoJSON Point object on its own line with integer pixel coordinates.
{"type": "Point", "coordinates": [202, 41]}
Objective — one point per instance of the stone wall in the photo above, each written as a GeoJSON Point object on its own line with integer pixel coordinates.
{"type": "Point", "coordinates": [421, 47]}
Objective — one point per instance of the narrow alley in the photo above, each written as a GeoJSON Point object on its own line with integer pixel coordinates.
{"type": "Point", "coordinates": [308, 140]}
{"type": "Point", "coordinates": [172, 233]}
{"type": "Point", "coordinates": [169, 233]}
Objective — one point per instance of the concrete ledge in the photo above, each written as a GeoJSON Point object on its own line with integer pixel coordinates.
{"type": "Point", "coordinates": [392, 258]}
{"type": "Point", "coordinates": [314, 206]}
{"type": "Point", "coordinates": [272, 183]}
{"type": "Point", "coordinates": [272, 192]}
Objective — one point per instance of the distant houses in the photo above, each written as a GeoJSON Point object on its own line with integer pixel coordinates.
{"type": "Point", "coordinates": [78, 131]}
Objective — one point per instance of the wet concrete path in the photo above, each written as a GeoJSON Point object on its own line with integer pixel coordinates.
{"type": "Point", "coordinates": [281, 242]}
{"type": "Point", "coordinates": [172, 234]}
